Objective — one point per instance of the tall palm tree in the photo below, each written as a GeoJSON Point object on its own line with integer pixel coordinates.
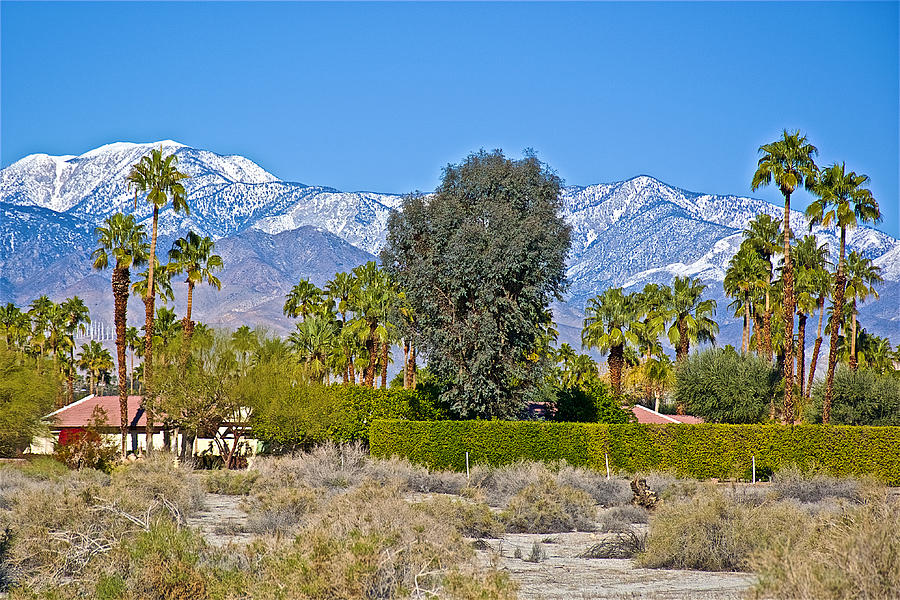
{"type": "Point", "coordinates": [340, 289]}
{"type": "Point", "coordinates": [39, 313]}
{"type": "Point", "coordinates": [789, 163]}
{"type": "Point", "coordinates": [302, 299]}
{"type": "Point", "coordinates": [314, 342]}
{"type": "Point", "coordinates": [159, 178]}
{"type": "Point", "coordinates": [608, 326]}
{"type": "Point", "coordinates": [842, 200]}
{"type": "Point", "coordinates": [764, 236]}
{"type": "Point", "coordinates": [96, 361]}
{"type": "Point", "coordinates": [810, 291]}
{"type": "Point", "coordinates": [133, 340]}
{"type": "Point", "coordinates": [746, 273]}
{"type": "Point", "coordinates": [862, 274]}
{"type": "Point", "coordinates": [194, 256]}
{"type": "Point", "coordinates": [691, 316]}
{"type": "Point", "coordinates": [121, 238]}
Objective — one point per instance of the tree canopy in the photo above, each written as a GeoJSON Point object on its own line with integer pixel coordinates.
{"type": "Point", "coordinates": [480, 261]}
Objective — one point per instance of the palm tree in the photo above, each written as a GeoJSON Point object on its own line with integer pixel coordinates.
{"type": "Point", "coordinates": [133, 340]}
{"type": "Point", "coordinates": [691, 316]}
{"type": "Point", "coordinates": [96, 361]}
{"type": "Point", "coordinates": [764, 235]}
{"type": "Point", "coordinates": [123, 239]}
{"type": "Point", "coordinates": [244, 341]}
{"type": "Point", "coordinates": [608, 327]}
{"type": "Point", "coordinates": [75, 316]}
{"type": "Point", "coordinates": [843, 201]}
{"type": "Point", "coordinates": [39, 313]}
{"type": "Point", "coordinates": [159, 178]}
{"type": "Point", "coordinates": [194, 256]}
{"type": "Point", "coordinates": [789, 163]}
{"type": "Point", "coordinates": [9, 316]}
{"type": "Point", "coordinates": [340, 289]}
{"type": "Point", "coordinates": [862, 273]}
{"type": "Point", "coordinates": [810, 292]}
{"type": "Point", "coordinates": [313, 342]}
{"type": "Point", "coordinates": [745, 275]}
{"type": "Point", "coordinates": [302, 299]}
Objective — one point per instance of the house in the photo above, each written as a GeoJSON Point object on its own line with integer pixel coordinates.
{"type": "Point", "coordinates": [650, 416]}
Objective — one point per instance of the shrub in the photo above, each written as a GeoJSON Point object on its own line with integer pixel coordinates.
{"type": "Point", "coordinates": [815, 487]}
{"type": "Point", "coordinates": [45, 468]}
{"type": "Point", "coordinates": [627, 543]}
{"type": "Point", "coordinates": [592, 402]}
{"type": "Point", "coordinates": [499, 484]}
{"type": "Point", "coordinates": [88, 449]}
{"type": "Point", "coordinates": [848, 554]}
{"type": "Point", "coordinates": [700, 451]}
{"type": "Point", "coordinates": [279, 510]}
{"type": "Point", "coordinates": [715, 533]}
{"type": "Point", "coordinates": [723, 386]}
{"type": "Point", "coordinates": [860, 398]}
{"type": "Point", "coordinates": [547, 507]}
{"type": "Point", "coordinates": [230, 482]}
{"type": "Point", "coordinates": [27, 393]}
{"type": "Point", "coordinates": [620, 518]}
{"type": "Point", "coordinates": [305, 415]}
{"type": "Point", "coordinates": [470, 519]}
{"type": "Point", "coordinates": [157, 480]}
{"type": "Point", "coordinates": [606, 492]}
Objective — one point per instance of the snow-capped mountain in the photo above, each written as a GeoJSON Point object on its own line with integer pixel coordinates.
{"type": "Point", "coordinates": [627, 233]}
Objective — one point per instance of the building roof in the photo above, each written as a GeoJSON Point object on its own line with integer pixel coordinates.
{"type": "Point", "coordinates": [79, 413]}
{"type": "Point", "coordinates": [648, 415]}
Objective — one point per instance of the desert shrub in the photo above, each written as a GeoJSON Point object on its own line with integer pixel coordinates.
{"type": "Point", "coordinates": [853, 553]}
{"type": "Point", "coordinates": [416, 478]}
{"type": "Point", "coordinates": [493, 585]}
{"type": "Point", "coordinates": [499, 484]}
{"type": "Point", "coordinates": [27, 392]}
{"type": "Point", "coordinates": [624, 544]}
{"type": "Point", "coordinates": [230, 482]}
{"type": "Point", "coordinates": [470, 519]}
{"type": "Point", "coordinates": [815, 487]}
{"type": "Point", "coordinates": [723, 386]}
{"type": "Point", "coordinates": [591, 402]}
{"type": "Point", "coordinates": [304, 415]}
{"type": "Point", "coordinates": [88, 449]}
{"type": "Point", "coordinates": [606, 492]}
{"type": "Point", "coordinates": [279, 510]}
{"type": "Point", "coordinates": [158, 480]}
{"type": "Point", "coordinates": [620, 518]}
{"type": "Point", "coordinates": [44, 468]}
{"type": "Point", "coordinates": [547, 507]}
{"type": "Point", "coordinates": [672, 487]}
{"type": "Point", "coordinates": [715, 533]}
{"type": "Point", "coordinates": [860, 398]}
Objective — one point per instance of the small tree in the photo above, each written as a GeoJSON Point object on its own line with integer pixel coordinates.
{"type": "Point", "coordinates": [479, 262]}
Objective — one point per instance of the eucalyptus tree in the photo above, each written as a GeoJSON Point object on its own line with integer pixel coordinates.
{"type": "Point", "coordinates": [862, 274]}
{"type": "Point", "coordinates": [745, 275]}
{"type": "Point", "coordinates": [480, 261]}
{"type": "Point", "coordinates": [842, 201]}
{"type": "Point", "coordinates": [125, 241]}
{"type": "Point", "coordinates": [193, 255]}
{"type": "Point", "coordinates": [789, 163]}
{"type": "Point", "coordinates": [763, 235]}
{"type": "Point", "coordinates": [813, 281]}
{"type": "Point", "coordinates": [691, 316]}
{"type": "Point", "coordinates": [611, 322]}
{"type": "Point", "coordinates": [159, 178]}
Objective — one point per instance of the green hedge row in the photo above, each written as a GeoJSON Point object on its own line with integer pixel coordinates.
{"type": "Point", "coordinates": [701, 451]}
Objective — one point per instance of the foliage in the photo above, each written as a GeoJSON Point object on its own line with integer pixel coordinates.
{"type": "Point", "coordinates": [547, 507]}
{"type": "Point", "coordinates": [479, 262]}
{"type": "Point", "coordinates": [860, 398]}
{"type": "Point", "coordinates": [591, 402]}
{"type": "Point", "coordinates": [791, 482]}
{"type": "Point", "coordinates": [471, 519]}
{"type": "Point", "coordinates": [26, 395]}
{"type": "Point", "coordinates": [723, 386]}
{"type": "Point", "coordinates": [88, 449]}
{"type": "Point", "coordinates": [701, 451]}
{"type": "Point", "coordinates": [302, 414]}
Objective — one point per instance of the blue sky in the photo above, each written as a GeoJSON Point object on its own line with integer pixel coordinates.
{"type": "Point", "coordinates": [382, 96]}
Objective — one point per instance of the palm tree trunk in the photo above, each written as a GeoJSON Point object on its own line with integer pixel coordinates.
{"type": "Point", "coordinates": [187, 325]}
{"type": "Point", "coordinates": [853, 362]}
{"type": "Point", "coordinates": [131, 379]}
{"type": "Point", "coordinates": [412, 366]}
{"type": "Point", "coordinates": [788, 281]}
{"type": "Point", "coordinates": [385, 348]}
{"type": "Point", "coordinates": [120, 281]}
{"type": "Point", "coordinates": [616, 358]}
{"type": "Point", "coordinates": [815, 354]}
{"type": "Point", "coordinates": [801, 349]}
{"type": "Point", "coordinates": [745, 340]}
{"type": "Point", "coordinates": [835, 329]}
{"type": "Point", "coordinates": [371, 353]}
{"type": "Point", "coordinates": [684, 343]}
{"type": "Point", "coordinates": [767, 328]}
{"type": "Point", "coordinates": [149, 304]}
{"type": "Point", "coordinates": [759, 330]}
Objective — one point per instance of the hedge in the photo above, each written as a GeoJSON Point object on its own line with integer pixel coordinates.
{"type": "Point", "coordinates": [701, 451]}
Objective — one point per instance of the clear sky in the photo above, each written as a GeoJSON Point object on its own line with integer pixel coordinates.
{"type": "Point", "coordinates": [382, 96]}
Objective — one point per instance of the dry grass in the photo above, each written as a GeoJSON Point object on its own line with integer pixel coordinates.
{"type": "Point", "coordinates": [620, 518]}
{"type": "Point", "coordinates": [228, 482]}
{"type": "Point", "coordinates": [547, 507]}
{"type": "Point", "coordinates": [280, 511]}
{"type": "Point", "coordinates": [471, 519]}
{"type": "Point", "coordinates": [624, 544]}
{"type": "Point", "coordinates": [816, 487]}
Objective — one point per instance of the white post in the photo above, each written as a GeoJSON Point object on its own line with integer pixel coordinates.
{"type": "Point", "coordinates": [754, 468]}
{"type": "Point", "coordinates": [607, 465]}
{"type": "Point", "coordinates": [467, 467]}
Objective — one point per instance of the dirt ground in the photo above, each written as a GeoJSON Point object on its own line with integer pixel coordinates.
{"type": "Point", "coordinates": [561, 575]}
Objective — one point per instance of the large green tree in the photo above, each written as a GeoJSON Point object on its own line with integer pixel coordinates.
{"type": "Point", "coordinates": [789, 163]}
{"type": "Point", "coordinates": [122, 239]}
{"type": "Point", "coordinates": [158, 177]}
{"type": "Point", "coordinates": [480, 261]}
{"type": "Point", "coordinates": [612, 321]}
{"type": "Point", "coordinates": [764, 235]}
{"type": "Point", "coordinates": [843, 201]}
{"type": "Point", "coordinates": [811, 289]}
{"type": "Point", "coordinates": [691, 316]}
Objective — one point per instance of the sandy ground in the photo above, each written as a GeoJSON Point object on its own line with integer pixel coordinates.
{"type": "Point", "coordinates": [561, 575]}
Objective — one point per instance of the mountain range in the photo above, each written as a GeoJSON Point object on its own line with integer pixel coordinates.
{"type": "Point", "coordinates": [271, 233]}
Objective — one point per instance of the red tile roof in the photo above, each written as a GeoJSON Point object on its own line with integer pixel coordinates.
{"type": "Point", "coordinates": [648, 415]}
{"type": "Point", "coordinates": [79, 413]}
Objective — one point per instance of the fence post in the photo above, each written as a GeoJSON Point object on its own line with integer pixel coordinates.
{"type": "Point", "coordinates": [607, 464]}
{"type": "Point", "coordinates": [467, 467]}
{"type": "Point", "coordinates": [754, 467]}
